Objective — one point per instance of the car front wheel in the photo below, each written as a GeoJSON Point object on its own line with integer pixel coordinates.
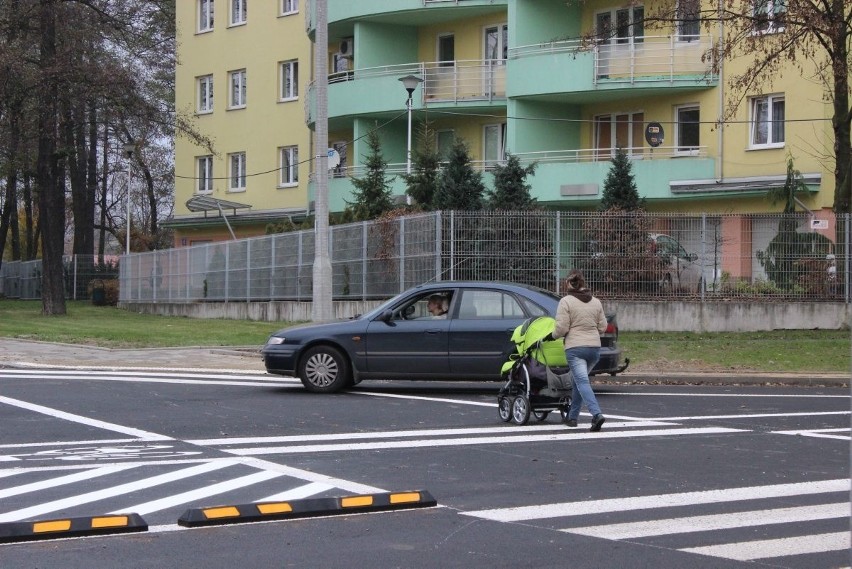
{"type": "Point", "coordinates": [324, 369]}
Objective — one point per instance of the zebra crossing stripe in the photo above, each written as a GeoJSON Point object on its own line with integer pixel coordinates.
{"type": "Point", "coordinates": [61, 480]}
{"type": "Point", "coordinates": [765, 549]}
{"type": "Point", "coordinates": [692, 524]}
{"type": "Point", "coordinates": [566, 509]}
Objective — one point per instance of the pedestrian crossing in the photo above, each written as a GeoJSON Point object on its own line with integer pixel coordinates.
{"type": "Point", "coordinates": [691, 522]}
{"type": "Point", "coordinates": [162, 488]}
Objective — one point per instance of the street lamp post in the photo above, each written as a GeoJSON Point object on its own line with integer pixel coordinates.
{"type": "Point", "coordinates": [410, 83]}
{"type": "Point", "coordinates": [129, 148]}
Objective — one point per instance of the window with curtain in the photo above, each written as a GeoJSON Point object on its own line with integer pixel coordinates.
{"type": "Point", "coordinates": [289, 166]}
{"type": "Point", "coordinates": [238, 88]}
{"type": "Point", "coordinates": [205, 15]}
{"type": "Point", "coordinates": [238, 12]}
{"type": "Point", "coordinates": [204, 177]}
{"type": "Point", "coordinates": [687, 123]}
{"type": "Point", "coordinates": [205, 94]}
{"type": "Point", "coordinates": [767, 121]}
{"type": "Point", "coordinates": [289, 80]}
{"type": "Point", "coordinates": [237, 173]}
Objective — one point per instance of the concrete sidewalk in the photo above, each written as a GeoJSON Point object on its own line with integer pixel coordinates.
{"type": "Point", "coordinates": [246, 359]}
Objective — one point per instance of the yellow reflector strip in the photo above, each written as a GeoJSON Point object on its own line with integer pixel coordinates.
{"type": "Point", "coordinates": [225, 512]}
{"type": "Point", "coordinates": [274, 508]}
{"type": "Point", "coordinates": [404, 497]}
{"type": "Point", "coordinates": [355, 501]}
{"type": "Point", "coordinates": [59, 525]}
{"type": "Point", "coordinates": [110, 522]}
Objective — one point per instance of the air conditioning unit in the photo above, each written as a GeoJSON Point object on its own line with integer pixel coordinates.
{"type": "Point", "coordinates": [347, 47]}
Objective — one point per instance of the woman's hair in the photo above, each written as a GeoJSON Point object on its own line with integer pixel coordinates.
{"type": "Point", "coordinates": [575, 279]}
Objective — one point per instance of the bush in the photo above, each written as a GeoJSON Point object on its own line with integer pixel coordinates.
{"type": "Point", "coordinates": [110, 288]}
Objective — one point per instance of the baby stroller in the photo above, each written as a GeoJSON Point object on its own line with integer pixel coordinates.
{"type": "Point", "coordinates": [538, 379]}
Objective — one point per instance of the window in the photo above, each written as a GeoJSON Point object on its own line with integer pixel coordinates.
{"type": "Point", "coordinates": [446, 50]}
{"type": "Point", "coordinates": [238, 88]}
{"type": "Point", "coordinates": [238, 12]}
{"type": "Point", "coordinates": [340, 170]}
{"type": "Point", "coordinates": [237, 174]}
{"type": "Point", "coordinates": [688, 20]}
{"type": "Point", "coordinates": [205, 15]}
{"type": "Point", "coordinates": [289, 166]}
{"type": "Point", "coordinates": [496, 43]}
{"type": "Point", "coordinates": [289, 7]}
{"type": "Point", "coordinates": [289, 80]}
{"type": "Point", "coordinates": [767, 121]}
{"type": "Point", "coordinates": [686, 129]}
{"type": "Point", "coordinates": [625, 130]}
{"type": "Point", "coordinates": [444, 140]}
{"type": "Point", "coordinates": [494, 150]}
{"type": "Point", "coordinates": [769, 16]}
{"type": "Point", "coordinates": [629, 26]}
{"type": "Point", "coordinates": [476, 304]}
{"type": "Point", "coordinates": [205, 174]}
{"type": "Point", "coordinates": [205, 94]}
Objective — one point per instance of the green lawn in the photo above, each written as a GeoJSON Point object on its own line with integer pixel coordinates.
{"type": "Point", "coordinates": [785, 351]}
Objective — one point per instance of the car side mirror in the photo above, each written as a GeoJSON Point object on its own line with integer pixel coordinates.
{"type": "Point", "coordinates": [386, 316]}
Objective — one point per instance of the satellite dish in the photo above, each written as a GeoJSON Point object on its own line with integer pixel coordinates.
{"type": "Point", "coordinates": [333, 158]}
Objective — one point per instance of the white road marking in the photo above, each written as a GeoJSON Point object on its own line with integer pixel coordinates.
{"type": "Point", "coordinates": [62, 480]}
{"type": "Point", "coordinates": [820, 433]}
{"type": "Point", "coordinates": [434, 399]}
{"type": "Point", "coordinates": [137, 379]}
{"type": "Point", "coordinates": [206, 491]}
{"type": "Point", "coordinates": [83, 420]}
{"type": "Point", "coordinates": [89, 442]}
{"type": "Point", "coordinates": [769, 548]}
{"type": "Point", "coordinates": [39, 368]}
{"type": "Point", "coordinates": [565, 509]}
{"type": "Point", "coordinates": [93, 372]}
{"type": "Point", "coordinates": [72, 501]}
{"type": "Point", "coordinates": [305, 491]}
{"type": "Point", "coordinates": [751, 416]}
{"type": "Point", "coordinates": [307, 475]}
{"type": "Point", "coordinates": [400, 434]}
{"type": "Point", "coordinates": [565, 436]}
{"type": "Point", "coordinates": [737, 395]}
{"type": "Point", "coordinates": [713, 522]}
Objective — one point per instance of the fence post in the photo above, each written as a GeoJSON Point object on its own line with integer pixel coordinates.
{"type": "Point", "coordinates": [227, 271]}
{"type": "Point", "coordinates": [248, 270]}
{"type": "Point", "coordinates": [74, 260]}
{"type": "Point", "coordinates": [452, 245]}
{"type": "Point", "coordinates": [702, 280]}
{"type": "Point", "coordinates": [438, 245]}
{"type": "Point", "coordinates": [848, 256]}
{"type": "Point", "coordinates": [558, 248]}
{"type": "Point", "coordinates": [401, 267]}
{"type": "Point", "coordinates": [272, 267]}
{"type": "Point", "coordinates": [365, 243]}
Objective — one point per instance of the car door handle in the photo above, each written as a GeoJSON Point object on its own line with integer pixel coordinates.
{"type": "Point", "coordinates": [433, 331]}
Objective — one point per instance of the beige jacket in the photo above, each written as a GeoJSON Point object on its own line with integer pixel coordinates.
{"type": "Point", "coordinates": [580, 323]}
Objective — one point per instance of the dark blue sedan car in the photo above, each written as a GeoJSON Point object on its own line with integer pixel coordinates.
{"type": "Point", "coordinates": [466, 338]}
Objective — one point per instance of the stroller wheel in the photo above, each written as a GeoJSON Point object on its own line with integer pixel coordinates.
{"type": "Point", "coordinates": [504, 408]}
{"type": "Point", "coordinates": [563, 411]}
{"type": "Point", "coordinates": [521, 410]}
{"type": "Point", "coordinates": [540, 415]}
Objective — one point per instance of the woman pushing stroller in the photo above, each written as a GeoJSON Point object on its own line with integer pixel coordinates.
{"type": "Point", "coordinates": [580, 319]}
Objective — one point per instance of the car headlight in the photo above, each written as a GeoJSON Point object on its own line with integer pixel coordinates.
{"type": "Point", "coordinates": [274, 340]}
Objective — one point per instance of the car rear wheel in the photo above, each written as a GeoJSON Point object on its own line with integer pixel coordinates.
{"type": "Point", "coordinates": [324, 369]}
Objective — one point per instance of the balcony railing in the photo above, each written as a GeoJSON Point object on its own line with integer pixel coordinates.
{"type": "Point", "coordinates": [443, 81]}
{"type": "Point", "coordinates": [606, 154]}
{"type": "Point", "coordinates": [646, 58]}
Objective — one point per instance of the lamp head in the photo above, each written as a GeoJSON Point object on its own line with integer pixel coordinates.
{"type": "Point", "coordinates": [410, 83]}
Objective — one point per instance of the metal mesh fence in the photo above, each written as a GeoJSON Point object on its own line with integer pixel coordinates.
{"type": "Point", "coordinates": [631, 256]}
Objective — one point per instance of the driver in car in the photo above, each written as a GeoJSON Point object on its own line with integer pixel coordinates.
{"type": "Point", "coordinates": [437, 306]}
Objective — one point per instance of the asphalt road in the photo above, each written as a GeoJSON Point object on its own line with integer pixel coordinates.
{"type": "Point", "coordinates": [680, 476]}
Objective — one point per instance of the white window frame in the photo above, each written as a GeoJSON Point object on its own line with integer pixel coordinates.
{"type": "Point", "coordinates": [237, 172]}
{"type": "Point", "coordinates": [289, 7]}
{"type": "Point", "coordinates": [611, 36]}
{"type": "Point", "coordinates": [774, 9]}
{"type": "Point", "coordinates": [683, 149]}
{"type": "Point", "coordinates": [204, 90]}
{"type": "Point", "coordinates": [204, 169]}
{"type": "Point", "coordinates": [683, 25]}
{"type": "Point", "coordinates": [501, 143]}
{"type": "Point", "coordinates": [288, 69]}
{"type": "Point", "coordinates": [288, 157]}
{"type": "Point", "coordinates": [238, 13]}
{"type": "Point", "coordinates": [237, 89]}
{"type": "Point", "coordinates": [770, 120]}
{"type": "Point", "coordinates": [205, 18]}
{"type": "Point", "coordinates": [610, 122]}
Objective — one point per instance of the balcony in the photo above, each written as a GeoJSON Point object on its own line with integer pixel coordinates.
{"type": "Point", "coordinates": [575, 66]}
{"type": "Point", "coordinates": [377, 89]}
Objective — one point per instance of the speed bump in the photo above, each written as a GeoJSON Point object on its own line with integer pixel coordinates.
{"type": "Point", "coordinates": [71, 527]}
{"type": "Point", "coordinates": [306, 508]}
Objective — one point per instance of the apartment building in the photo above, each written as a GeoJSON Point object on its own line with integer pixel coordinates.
{"type": "Point", "coordinates": [504, 75]}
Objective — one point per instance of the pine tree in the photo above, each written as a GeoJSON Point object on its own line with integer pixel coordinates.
{"type": "Point", "coordinates": [425, 167]}
{"type": "Point", "coordinates": [619, 186]}
{"type": "Point", "coordinates": [511, 190]}
{"type": "Point", "coordinates": [460, 187]}
{"type": "Point", "coordinates": [372, 193]}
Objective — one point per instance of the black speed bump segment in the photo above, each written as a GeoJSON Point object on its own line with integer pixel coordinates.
{"type": "Point", "coordinates": [306, 508]}
{"type": "Point", "coordinates": [71, 527]}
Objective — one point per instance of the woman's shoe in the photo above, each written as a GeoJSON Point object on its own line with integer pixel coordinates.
{"type": "Point", "coordinates": [571, 422]}
{"type": "Point", "coordinates": [597, 422]}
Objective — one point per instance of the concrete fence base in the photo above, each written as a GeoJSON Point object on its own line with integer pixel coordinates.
{"type": "Point", "coordinates": [633, 316]}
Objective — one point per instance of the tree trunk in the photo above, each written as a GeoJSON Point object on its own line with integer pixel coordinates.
{"type": "Point", "coordinates": [840, 122]}
{"type": "Point", "coordinates": [51, 195]}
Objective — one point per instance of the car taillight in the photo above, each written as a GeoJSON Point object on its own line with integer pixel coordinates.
{"type": "Point", "coordinates": [611, 329]}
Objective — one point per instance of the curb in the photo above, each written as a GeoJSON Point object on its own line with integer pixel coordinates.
{"type": "Point", "coordinates": [306, 508]}
{"type": "Point", "coordinates": [725, 378]}
{"type": "Point", "coordinates": [71, 527]}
